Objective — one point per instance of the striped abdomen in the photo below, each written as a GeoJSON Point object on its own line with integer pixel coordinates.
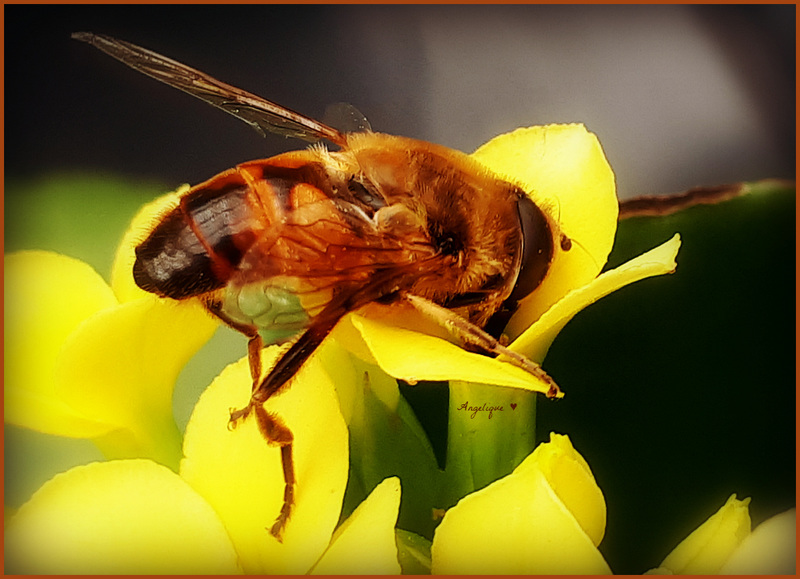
{"type": "Point", "coordinates": [197, 247]}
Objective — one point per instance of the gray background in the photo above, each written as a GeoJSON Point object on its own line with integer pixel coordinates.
{"type": "Point", "coordinates": [679, 95]}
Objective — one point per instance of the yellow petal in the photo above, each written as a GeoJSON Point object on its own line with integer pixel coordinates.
{"type": "Point", "coordinates": [771, 549]}
{"type": "Point", "coordinates": [564, 170]}
{"type": "Point", "coordinates": [47, 296]}
{"type": "Point", "coordinates": [241, 476]}
{"type": "Point", "coordinates": [706, 549]}
{"type": "Point", "coordinates": [412, 356]}
{"type": "Point", "coordinates": [120, 366]}
{"type": "Point", "coordinates": [350, 374]}
{"type": "Point", "coordinates": [365, 542]}
{"type": "Point", "coordinates": [516, 525]}
{"type": "Point", "coordinates": [144, 221]}
{"type": "Point", "coordinates": [118, 517]}
{"type": "Point", "coordinates": [536, 340]}
{"type": "Point", "coordinates": [571, 479]}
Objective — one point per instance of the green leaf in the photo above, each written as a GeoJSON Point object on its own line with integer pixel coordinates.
{"type": "Point", "coordinates": [680, 390]}
{"type": "Point", "coordinates": [414, 553]}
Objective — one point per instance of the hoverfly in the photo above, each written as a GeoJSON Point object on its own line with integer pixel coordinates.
{"type": "Point", "coordinates": [282, 248]}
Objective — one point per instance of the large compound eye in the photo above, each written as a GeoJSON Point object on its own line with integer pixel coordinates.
{"type": "Point", "coordinates": [537, 249]}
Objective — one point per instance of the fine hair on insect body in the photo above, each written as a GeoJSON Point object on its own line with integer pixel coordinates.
{"type": "Point", "coordinates": [280, 249]}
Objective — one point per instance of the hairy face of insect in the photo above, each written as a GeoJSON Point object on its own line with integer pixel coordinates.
{"type": "Point", "coordinates": [283, 248]}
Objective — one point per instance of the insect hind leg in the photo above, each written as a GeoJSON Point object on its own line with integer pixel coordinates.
{"type": "Point", "coordinates": [271, 427]}
{"type": "Point", "coordinates": [254, 347]}
{"type": "Point", "coordinates": [276, 432]}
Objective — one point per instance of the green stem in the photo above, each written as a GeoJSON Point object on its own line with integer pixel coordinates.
{"type": "Point", "coordinates": [491, 430]}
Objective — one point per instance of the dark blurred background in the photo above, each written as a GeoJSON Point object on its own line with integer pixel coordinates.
{"type": "Point", "coordinates": [679, 95]}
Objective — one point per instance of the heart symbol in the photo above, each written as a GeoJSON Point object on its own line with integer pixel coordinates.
{"type": "Point", "coordinates": [513, 406]}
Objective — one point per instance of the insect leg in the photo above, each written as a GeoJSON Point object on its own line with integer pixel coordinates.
{"type": "Point", "coordinates": [271, 426]}
{"type": "Point", "coordinates": [472, 336]}
{"type": "Point", "coordinates": [254, 346]}
{"type": "Point", "coordinates": [291, 361]}
{"type": "Point", "coordinates": [276, 432]}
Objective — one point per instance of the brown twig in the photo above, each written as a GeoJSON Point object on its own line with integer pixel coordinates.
{"type": "Point", "coordinates": [659, 205]}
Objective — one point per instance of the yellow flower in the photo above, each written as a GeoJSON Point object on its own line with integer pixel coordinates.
{"type": "Point", "coordinates": [565, 172]}
{"type": "Point", "coordinates": [100, 362]}
{"type": "Point", "coordinates": [546, 517]}
{"type": "Point", "coordinates": [134, 516]}
{"type": "Point", "coordinates": [771, 549]}
{"type": "Point", "coordinates": [725, 545]}
{"type": "Point", "coordinates": [89, 360]}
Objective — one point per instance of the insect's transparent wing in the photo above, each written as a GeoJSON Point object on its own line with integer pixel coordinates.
{"type": "Point", "coordinates": [260, 113]}
{"type": "Point", "coordinates": [346, 118]}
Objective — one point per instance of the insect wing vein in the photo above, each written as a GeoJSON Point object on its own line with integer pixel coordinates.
{"type": "Point", "coordinates": [258, 112]}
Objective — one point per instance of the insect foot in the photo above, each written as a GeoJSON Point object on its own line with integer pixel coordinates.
{"type": "Point", "coordinates": [238, 415]}
{"type": "Point", "coordinates": [286, 511]}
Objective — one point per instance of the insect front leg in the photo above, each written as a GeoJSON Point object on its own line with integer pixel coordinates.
{"type": "Point", "coordinates": [475, 338]}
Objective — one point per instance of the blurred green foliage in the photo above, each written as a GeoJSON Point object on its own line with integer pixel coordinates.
{"type": "Point", "coordinates": [680, 390]}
